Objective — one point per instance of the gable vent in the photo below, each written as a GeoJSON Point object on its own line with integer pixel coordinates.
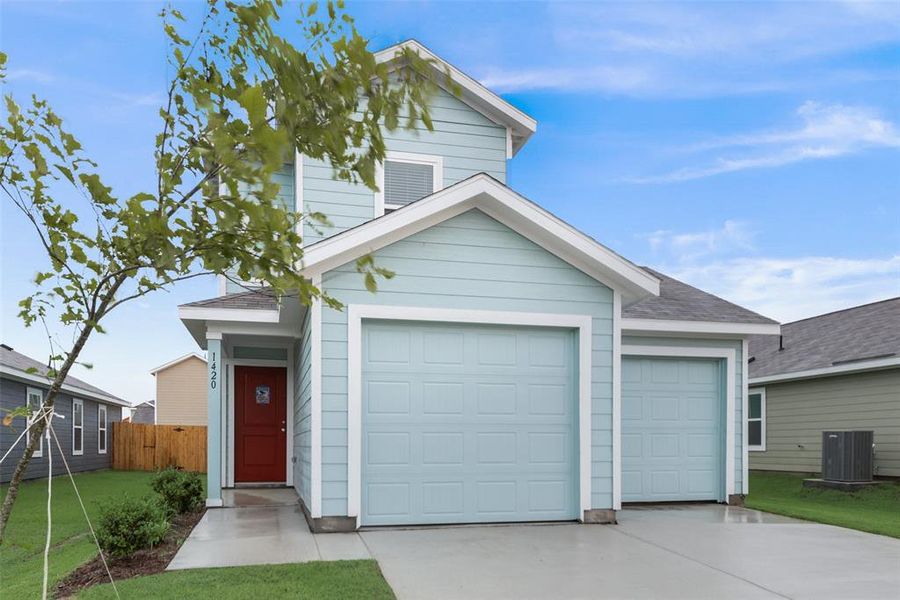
{"type": "Point", "coordinates": [406, 182]}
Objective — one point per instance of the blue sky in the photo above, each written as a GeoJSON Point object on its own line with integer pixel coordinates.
{"type": "Point", "coordinates": [750, 149]}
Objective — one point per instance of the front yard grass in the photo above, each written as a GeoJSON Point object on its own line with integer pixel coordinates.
{"type": "Point", "coordinates": [345, 579]}
{"type": "Point", "coordinates": [875, 509]}
{"type": "Point", "coordinates": [21, 555]}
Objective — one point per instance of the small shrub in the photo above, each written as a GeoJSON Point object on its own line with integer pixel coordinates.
{"type": "Point", "coordinates": [127, 525]}
{"type": "Point", "coordinates": [180, 491]}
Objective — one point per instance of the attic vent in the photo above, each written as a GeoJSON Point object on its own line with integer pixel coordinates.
{"type": "Point", "coordinates": [406, 182]}
{"type": "Point", "coordinates": [4, 346]}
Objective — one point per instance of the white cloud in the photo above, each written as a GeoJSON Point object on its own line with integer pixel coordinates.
{"type": "Point", "coordinates": [788, 289]}
{"type": "Point", "coordinates": [697, 49]}
{"type": "Point", "coordinates": [732, 235]}
{"type": "Point", "coordinates": [827, 131]}
{"type": "Point", "coordinates": [32, 75]}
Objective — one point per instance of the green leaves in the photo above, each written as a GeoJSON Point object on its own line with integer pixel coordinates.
{"type": "Point", "coordinates": [253, 84]}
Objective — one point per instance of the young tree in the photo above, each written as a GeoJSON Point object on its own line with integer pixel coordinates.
{"type": "Point", "coordinates": [242, 99]}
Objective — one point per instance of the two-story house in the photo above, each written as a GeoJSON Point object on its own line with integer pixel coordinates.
{"type": "Point", "coordinates": [514, 369]}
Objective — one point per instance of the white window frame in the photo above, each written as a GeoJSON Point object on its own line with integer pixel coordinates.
{"type": "Point", "coordinates": [102, 427]}
{"type": "Point", "coordinates": [29, 391]}
{"type": "Point", "coordinates": [762, 419]}
{"type": "Point", "coordinates": [437, 163]}
{"type": "Point", "coordinates": [79, 451]}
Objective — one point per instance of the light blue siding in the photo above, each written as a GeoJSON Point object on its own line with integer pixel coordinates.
{"type": "Point", "coordinates": [468, 262]}
{"type": "Point", "coordinates": [468, 423]}
{"type": "Point", "coordinates": [302, 411]}
{"type": "Point", "coordinates": [672, 429]}
{"type": "Point", "coordinates": [285, 180]}
{"type": "Point", "coordinates": [738, 384]}
{"type": "Point", "coordinates": [468, 142]}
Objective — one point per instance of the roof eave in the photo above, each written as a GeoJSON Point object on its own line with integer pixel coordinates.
{"type": "Point", "coordinates": [832, 371]}
{"type": "Point", "coordinates": [68, 388]}
{"type": "Point", "coordinates": [710, 328]}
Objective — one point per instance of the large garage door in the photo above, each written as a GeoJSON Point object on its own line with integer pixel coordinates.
{"type": "Point", "coordinates": [671, 429]}
{"type": "Point", "coordinates": [467, 424]}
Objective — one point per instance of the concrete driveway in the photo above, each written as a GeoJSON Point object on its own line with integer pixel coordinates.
{"type": "Point", "coordinates": [699, 551]}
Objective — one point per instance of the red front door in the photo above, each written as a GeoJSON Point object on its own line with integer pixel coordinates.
{"type": "Point", "coordinates": [260, 424]}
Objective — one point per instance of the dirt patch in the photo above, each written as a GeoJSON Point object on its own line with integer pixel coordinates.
{"type": "Point", "coordinates": [143, 562]}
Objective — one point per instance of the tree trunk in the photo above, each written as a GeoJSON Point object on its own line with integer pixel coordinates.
{"type": "Point", "coordinates": [38, 428]}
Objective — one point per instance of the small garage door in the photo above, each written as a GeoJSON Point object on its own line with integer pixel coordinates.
{"type": "Point", "coordinates": [672, 412]}
{"type": "Point", "coordinates": [467, 424]}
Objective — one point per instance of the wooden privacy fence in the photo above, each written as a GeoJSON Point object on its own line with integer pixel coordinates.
{"type": "Point", "coordinates": [143, 447]}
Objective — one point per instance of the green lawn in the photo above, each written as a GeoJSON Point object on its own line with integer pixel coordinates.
{"type": "Point", "coordinates": [21, 555]}
{"type": "Point", "coordinates": [342, 580]}
{"type": "Point", "coordinates": [876, 509]}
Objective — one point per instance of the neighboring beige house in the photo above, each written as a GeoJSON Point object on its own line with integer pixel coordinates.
{"type": "Point", "coordinates": [838, 371]}
{"type": "Point", "coordinates": [181, 391]}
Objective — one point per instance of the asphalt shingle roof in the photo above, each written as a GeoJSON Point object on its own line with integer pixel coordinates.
{"type": "Point", "coordinates": [681, 302]}
{"type": "Point", "coordinates": [856, 334]}
{"type": "Point", "coordinates": [17, 360]}
{"type": "Point", "coordinates": [253, 300]}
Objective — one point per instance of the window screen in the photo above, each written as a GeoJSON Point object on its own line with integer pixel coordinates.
{"type": "Point", "coordinates": [754, 420]}
{"type": "Point", "coordinates": [406, 182]}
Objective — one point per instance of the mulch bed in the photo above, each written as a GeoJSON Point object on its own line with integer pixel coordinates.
{"type": "Point", "coordinates": [143, 562]}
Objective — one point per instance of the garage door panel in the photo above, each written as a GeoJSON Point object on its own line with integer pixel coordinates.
{"type": "Point", "coordinates": [671, 430]}
{"type": "Point", "coordinates": [489, 425]}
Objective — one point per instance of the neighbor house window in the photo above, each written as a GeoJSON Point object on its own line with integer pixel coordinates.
{"type": "Point", "coordinates": [756, 420]}
{"type": "Point", "coordinates": [101, 429]}
{"type": "Point", "coordinates": [35, 398]}
{"type": "Point", "coordinates": [77, 427]}
{"type": "Point", "coordinates": [404, 178]}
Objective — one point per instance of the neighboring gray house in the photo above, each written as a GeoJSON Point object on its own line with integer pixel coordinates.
{"type": "Point", "coordinates": [85, 436]}
{"type": "Point", "coordinates": [837, 371]}
{"type": "Point", "coordinates": [145, 412]}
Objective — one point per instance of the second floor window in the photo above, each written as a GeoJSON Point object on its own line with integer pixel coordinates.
{"type": "Point", "coordinates": [405, 178]}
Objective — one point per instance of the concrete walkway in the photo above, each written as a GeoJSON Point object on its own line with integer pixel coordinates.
{"type": "Point", "coordinates": [699, 551]}
{"type": "Point", "coordinates": [261, 535]}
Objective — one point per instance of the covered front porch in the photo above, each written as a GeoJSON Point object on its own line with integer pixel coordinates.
{"type": "Point", "coordinates": [253, 346]}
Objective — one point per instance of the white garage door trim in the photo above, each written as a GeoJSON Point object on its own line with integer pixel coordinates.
{"type": "Point", "coordinates": [357, 312]}
{"type": "Point", "coordinates": [730, 357]}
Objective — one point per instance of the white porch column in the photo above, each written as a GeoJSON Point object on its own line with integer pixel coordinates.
{"type": "Point", "coordinates": [215, 393]}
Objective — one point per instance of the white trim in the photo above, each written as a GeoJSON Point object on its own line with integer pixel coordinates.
{"type": "Point", "coordinates": [437, 176]}
{"type": "Point", "coordinates": [472, 93]}
{"type": "Point", "coordinates": [66, 387]}
{"type": "Point", "coordinates": [357, 312]}
{"type": "Point", "coordinates": [617, 402]}
{"type": "Point", "coordinates": [844, 369]}
{"type": "Point", "coordinates": [229, 438]}
{"type": "Point", "coordinates": [102, 431]}
{"type": "Point", "coordinates": [762, 418]}
{"type": "Point", "coordinates": [298, 187]}
{"type": "Point", "coordinates": [214, 503]}
{"type": "Point", "coordinates": [247, 315]}
{"type": "Point", "coordinates": [315, 409]}
{"type": "Point", "coordinates": [80, 452]}
{"type": "Point", "coordinates": [730, 357]}
{"type": "Point", "coordinates": [39, 451]}
{"type": "Point", "coordinates": [745, 414]}
{"type": "Point", "coordinates": [710, 327]}
{"type": "Point", "coordinates": [501, 203]}
{"type": "Point", "coordinates": [222, 284]}
{"type": "Point", "coordinates": [172, 363]}
{"type": "Point", "coordinates": [509, 144]}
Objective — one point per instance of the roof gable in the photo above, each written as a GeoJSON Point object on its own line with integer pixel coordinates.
{"type": "Point", "coordinates": [481, 99]}
{"type": "Point", "coordinates": [499, 202]}
{"type": "Point", "coordinates": [178, 361]}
